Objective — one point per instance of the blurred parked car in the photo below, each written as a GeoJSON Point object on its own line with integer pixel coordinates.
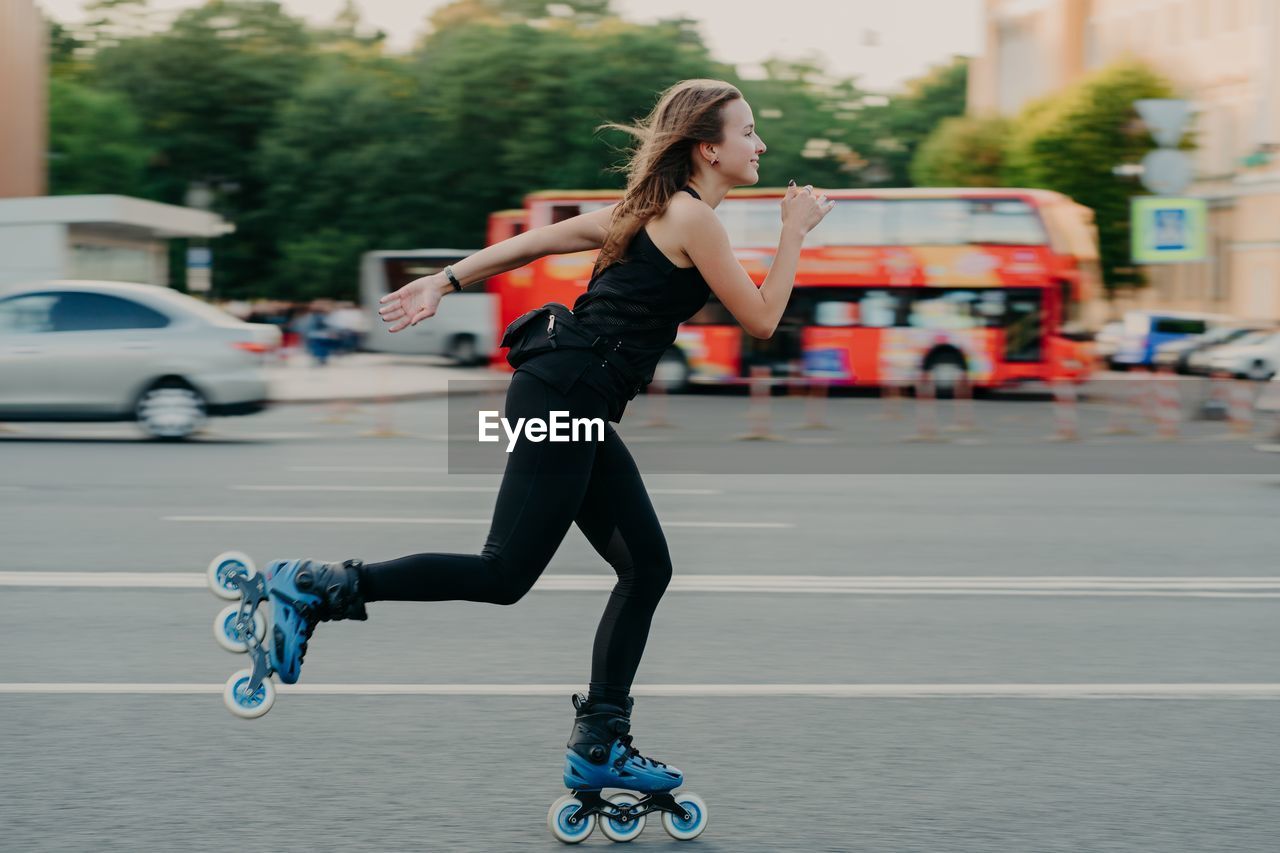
{"type": "Point", "coordinates": [1107, 341]}
{"type": "Point", "coordinates": [115, 351]}
{"type": "Point", "coordinates": [1144, 331]}
{"type": "Point", "coordinates": [1177, 354]}
{"type": "Point", "coordinates": [1254, 356]}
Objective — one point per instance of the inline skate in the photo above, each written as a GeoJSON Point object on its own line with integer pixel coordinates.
{"type": "Point", "coordinates": [600, 755]}
{"type": "Point", "coordinates": [302, 593]}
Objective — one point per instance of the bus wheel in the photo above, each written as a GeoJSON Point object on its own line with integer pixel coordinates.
{"type": "Point", "coordinates": [946, 370]}
{"type": "Point", "coordinates": [672, 371]}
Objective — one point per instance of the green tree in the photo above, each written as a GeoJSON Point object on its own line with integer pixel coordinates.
{"type": "Point", "coordinates": [803, 116]}
{"type": "Point", "coordinates": [514, 107]}
{"type": "Point", "coordinates": [963, 151]}
{"type": "Point", "coordinates": [887, 136]}
{"type": "Point", "coordinates": [1071, 143]}
{"type": "Point", "coordinates": [95, 142]}
{"type": "Point", "coordinates": [348, 167]}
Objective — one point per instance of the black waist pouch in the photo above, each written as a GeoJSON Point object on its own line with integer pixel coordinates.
{"type": "Point", "coordinates": [554, 327]}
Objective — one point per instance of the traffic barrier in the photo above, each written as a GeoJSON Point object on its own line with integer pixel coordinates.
{"type": "Point", "coordinates": [891, 393]}
{"type": "Point", "coordinates": [926, 411]}
{"type": "Point", "coordinates": [1066, 411]}
{"type": "Point", "coordinates": [964, 418]}
{"type": "Point", "coordinates": [1123, 399]}
{"type": "Point", "coordinates": [1168, 406]}
{"type": "Point", "coordinates": [1218, 404]}
{"type": "Point", "coordinates": [759, 407]}
{"type": "Point", "coordinates": [1240, 408]}
{"type": "Point", "coordinates": [815, 404]}
{"type": "Point", "coordinates": [656, 393]}
{"type": "Point", "coordinates": [1149, 400]}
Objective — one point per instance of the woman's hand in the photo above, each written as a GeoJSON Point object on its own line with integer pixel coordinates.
{"type": "Point", "coordinates": [802, 210]}
{"type": "Point", "coordinates": [413, 303]}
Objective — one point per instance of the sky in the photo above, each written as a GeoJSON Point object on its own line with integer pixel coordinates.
{"type": "Point", "coordinates": [881, 43]}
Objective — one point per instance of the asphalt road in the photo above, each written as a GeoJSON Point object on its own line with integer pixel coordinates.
{"type": "Point", "coordinates": [1070, 646]}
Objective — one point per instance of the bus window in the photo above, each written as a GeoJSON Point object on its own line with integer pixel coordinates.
{"type": "Point", "coordinates": [1008, 222]}
{"type": "Point", "coordinates": [835, 313]}
{"type": "Point", "coordinates": [1179, 326]}
{"type": "Point", "coordinates": [851, 223]}
{"type": "Point", "coordinates": [750, 222]}
{"type": "Point", "coordinates": [956, 309]}
{"type": "Point", "coordinates": [879, 309]}
{"type": "Point", "coordinates": [929, 222]}
{"type": "Point", "coordinates": [561, 212]}
{"type": "Point", "coordinates": [1024, 326]}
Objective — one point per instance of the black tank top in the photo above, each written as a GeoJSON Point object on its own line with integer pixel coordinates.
{"type": "Point", "coordinates": [640, 300]}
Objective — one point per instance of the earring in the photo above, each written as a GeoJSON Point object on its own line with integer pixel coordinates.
{"type": "Point", "coordinates": [715, 162]}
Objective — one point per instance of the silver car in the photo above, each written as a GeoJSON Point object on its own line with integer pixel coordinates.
{"type": "Point", "coordinates": [115, 351]}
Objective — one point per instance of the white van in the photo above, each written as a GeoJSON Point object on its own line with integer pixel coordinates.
{"type": "Point", "coordinates": [464, 327]}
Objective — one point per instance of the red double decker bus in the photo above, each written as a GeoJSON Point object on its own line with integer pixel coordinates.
{"type": "Point", "coordinates": [983, 283]}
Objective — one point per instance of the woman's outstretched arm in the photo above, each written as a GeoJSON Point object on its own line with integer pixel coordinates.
{"type": "Point", "coordinates": [417, 300]}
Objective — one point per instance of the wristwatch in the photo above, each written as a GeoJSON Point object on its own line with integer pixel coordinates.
{"type": "Point", "coordinates": [453, 279]}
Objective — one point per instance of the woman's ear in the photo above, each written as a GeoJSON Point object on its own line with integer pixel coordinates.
{"type": "Point", "coordinates": [707, 152]}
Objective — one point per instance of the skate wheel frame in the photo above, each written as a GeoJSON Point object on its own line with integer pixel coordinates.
{"type": "Point", "coordinates": [243, 628]}
{"type": "Point", "coordinates": [684, 815]}
{"type": "Point", "coordinates": [227, 633]}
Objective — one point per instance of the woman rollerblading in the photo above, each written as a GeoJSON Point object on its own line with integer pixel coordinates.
{"type": "Point", "coordinates": [662, 253]}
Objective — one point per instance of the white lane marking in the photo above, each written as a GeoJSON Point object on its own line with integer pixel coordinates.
{"type": "Point", "coordinates": [810, 691]}
{"type": "Point", "coordinates": [287, 519]}
{"type": "Point", "coordinates": [329, 488]}
{"type": "Point", "coordinates": [1254, 587]}
{"type": "Point", "coordinates": [372, 469]}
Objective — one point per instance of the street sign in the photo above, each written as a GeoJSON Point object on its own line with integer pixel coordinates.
{"type": "Point", "coordinates": [1166, 118]}
{"type": "Point", "coordinates": [1167, 172]}
{"type": "Point", "coordinates": [1168, 230]}
{"type": "Point", "coordinates": [199, 269]}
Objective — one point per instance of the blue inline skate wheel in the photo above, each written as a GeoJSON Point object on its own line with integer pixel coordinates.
{"type": "Point", "coordinates": [229, 637]}
{"type": "Point", "coordinates": [225, 566]}
{"type": "Point", "coordinates": [616, 830]}
{"type": "Point", "coordinates": [244, 704]}
{"type": "Point", "coordinates": [686, 830]}
{"type": "Point", "coordinates": [564, 826]}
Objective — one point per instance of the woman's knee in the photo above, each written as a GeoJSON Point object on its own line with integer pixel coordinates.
{"type": "Point", "coordinates": [509, 582]}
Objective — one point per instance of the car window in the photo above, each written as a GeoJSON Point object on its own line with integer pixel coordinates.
{"type": "Point", "coordinates": [91, 312]}
{"type": "Point", "coordinates": [27, 314]}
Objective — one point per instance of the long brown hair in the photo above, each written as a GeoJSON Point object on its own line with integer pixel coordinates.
{"type": "Point", "coordinates": [661, 164]}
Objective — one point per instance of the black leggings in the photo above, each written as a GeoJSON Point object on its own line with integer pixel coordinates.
{"type": "Point", "coordinates": [546, 487]}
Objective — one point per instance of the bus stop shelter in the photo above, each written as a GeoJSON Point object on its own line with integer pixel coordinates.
{"type": "Point", "coordinates": [109, 237]}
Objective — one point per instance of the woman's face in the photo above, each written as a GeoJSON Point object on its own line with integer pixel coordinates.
{"type": "Point", "coordinates": [740, 149]}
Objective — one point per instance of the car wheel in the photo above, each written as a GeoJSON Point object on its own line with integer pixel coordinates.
{"type": "Point", "coordinates": [463, 350]}
{"type": "Point", "coordinates": [171, 411]}
{"type": "Point", "coordinates": [1259, 370]}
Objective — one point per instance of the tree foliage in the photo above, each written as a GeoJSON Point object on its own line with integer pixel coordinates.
{"type": "Point", "coordinates": [888, 134]}
{"type": "Point", "coordinates": [1072, 142]}
{"type": "Point", "coordinates": [95, 142]}
{"type": "Point", "coordinates": [319, 145]}
{"type": "Point", "coordinates": [963, 151]}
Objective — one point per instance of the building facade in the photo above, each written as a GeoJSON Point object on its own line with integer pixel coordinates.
{"type": "Point", "coordinates": [23, 87]}
{"type": "Point", "coordinates": [1221, 55]}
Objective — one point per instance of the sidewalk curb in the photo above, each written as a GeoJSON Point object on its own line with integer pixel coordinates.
{"type": "Point", "coordinates": [402, 396]}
